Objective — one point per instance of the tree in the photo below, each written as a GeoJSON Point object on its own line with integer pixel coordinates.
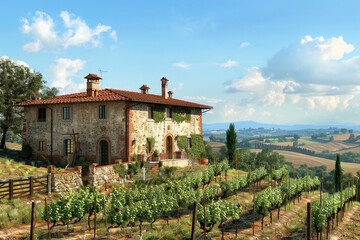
{"type": "Point", "coordinates": [296, 137]}
{"type": "Point", "coordinates": [338, 173]}
{"type": "Point", "coordinates": [331, 138]}
{"type": "Point", "coordinates": [351, 130]}
{"type": "Point", "coordinates": [351, 138]}
{"type": "Point", "coordinates": [231, 140]}
{"type": "Point", "coordinates": [343, 130]}
{"type": "Point", "coordinates": [18, 83]}
{"type": "Point", "coordinates": [336, 132]}
{"type": "Point", "coordinates": [47, 92]}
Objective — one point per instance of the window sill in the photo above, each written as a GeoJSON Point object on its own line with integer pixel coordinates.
{"type": "Point", "coordinates": [151, 120]}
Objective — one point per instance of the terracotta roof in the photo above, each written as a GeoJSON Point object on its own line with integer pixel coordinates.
{"type": "Point", "coordinates": [111, 95]}
{"type": "Point", "coordinates": [144, 87]}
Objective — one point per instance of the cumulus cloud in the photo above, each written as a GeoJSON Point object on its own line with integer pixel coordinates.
{"type": "Point", "coordinates": [229, 64]}
{"type": "Point", "coordinates": [244, 44]}
{"type": "Point", "coordinates": [60, 74]}
{"type": "Point", "coordinates": [74, 32]}
{"type": "Point", "coordinates": [183, 65]}
{"type": "Point", "coordinates": [313, 71]}
{"type": "Point", "coordinates": [232, 111]}
{"type": "Point", "coordinates": [203, 99]}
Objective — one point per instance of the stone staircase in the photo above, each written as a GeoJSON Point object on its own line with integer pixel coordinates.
{"type": "Point", "coordinates": [151, 166]}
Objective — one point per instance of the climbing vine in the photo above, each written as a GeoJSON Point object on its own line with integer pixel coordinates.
{"type": "Point", "coordinates": [197, 146]}
{"type": "Point", "coordinates": [182, 141]}
{"type": "Point", "coordinates": [152, 143]}
{"type": "Point", "coordinates": [180, 115]}
{"type": "Point", "coordinates": [159, 114]}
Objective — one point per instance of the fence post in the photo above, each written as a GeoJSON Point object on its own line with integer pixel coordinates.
{"type": "Point", "coordinates": [31, 186]}
{"type": "Point", "coordinates": [193, 228]}
{"type": "Point", "coordinates": [11, 189]}
{"type": "Point", "coordinates": [51, 170]}
{"type": "Point", "coordinates": [47, 218]}
{"type": "Point", "coordinates": [308, 222]}
{"type": "Point", "coordinates": [32, 226]}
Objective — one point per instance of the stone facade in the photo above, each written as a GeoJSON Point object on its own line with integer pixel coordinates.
{"type": "Point", "coordinates": [67, 181]}
{"type": "Point", "coordinates": [100, 175]}
{"type": "Point", "coordinates": [125, 120]}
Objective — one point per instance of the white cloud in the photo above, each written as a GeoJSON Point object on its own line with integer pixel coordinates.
{"type": "Point", "coordinates": [312, 72]}
{"type": "Point", "coordinates": [266, 114]}
{"type": "Point", "coordinates": [178, 86]}
{"type": "Point", "coordinates": [113, 35]}
{"type": "Point", "coordinates": [60, 74]}
{"type": "Point", "coordinates": [19, 62]}
{"type": "Point", "coordinates": [229, 64]}
{"type": "Point", "coordinates": [203, 99]}
{"type": "Point", "coordinates": [75, 32]}
{"type": "Point", "coordinates": [244, 44]}
{"type": "Point", "coordinates": [183, 65]}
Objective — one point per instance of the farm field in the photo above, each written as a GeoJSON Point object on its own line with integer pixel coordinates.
{"type": "Point", "coordinates": [331, 146]}
{"type": "Point", "coordinates": [298, 159]}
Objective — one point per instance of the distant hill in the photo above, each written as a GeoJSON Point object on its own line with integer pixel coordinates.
{"type": "Point", "coordinates": [252, 124]}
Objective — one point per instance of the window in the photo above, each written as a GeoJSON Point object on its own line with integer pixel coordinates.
{"type": "Point", "coordinates": [67, 113]}
{"type": "Point", "coordinates": [68, 146]}
{"type": "Point", "coordinates": [42, 115]}
{"type": "Point", "coordinates": [102, 112]}
{"type": "Point", "coordinates": [168, 112]}
{"type": "Point", "coordinates": [41, 146]}
{"type": "Point", "coordinates": [150, 113]}
{"type": "Point", "coordinates": [189, 143]}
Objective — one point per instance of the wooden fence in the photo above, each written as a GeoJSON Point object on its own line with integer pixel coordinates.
{"type": "Point", "coordinates": [25, 186]}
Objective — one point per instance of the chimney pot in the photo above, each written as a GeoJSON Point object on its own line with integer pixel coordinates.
{"type": "Point", "coordinates": [164, 92]}
{"type": "Point", "coordinates": [144, 89]}
{"type": "Point", "coordinates": [170, 94]}
{"type": "Point", "coordinates": [92, 84]}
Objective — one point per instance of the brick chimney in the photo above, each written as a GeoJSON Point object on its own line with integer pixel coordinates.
{"type": "Point", "coordinates": [144, 89]}
{"type": "Point", "coordinates": [92, 84]}
{"type": "Point", "coordinates": [170, 94]}
{"type": "Point", "coordinates": [164, 92]}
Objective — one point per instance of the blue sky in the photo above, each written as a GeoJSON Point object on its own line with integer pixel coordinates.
{"type": "Point", "coordinates": [268, 61]}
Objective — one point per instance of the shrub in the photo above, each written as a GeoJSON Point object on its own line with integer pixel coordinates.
{"type": "Point", "coordinates": [135, 157]}
{"type": "Point", "coordinates": [20, 166]}
{"type": "Point", "coordinates": [160, 163]}
{"type": "Point", "coordinates": [13, 214]}
{"type": "Point", "coordinates": [197, 146]}
{"type": "Point", "coordinates": [26, 150]}
{"type": "Point", "coordinates": [150, 140]}
{"type": "Point", "coordinates": [120, 169]}
{"type": "Point", "coordinates": [8, 162]}
{"type": "Point", "coordinates": [11, 170]}
{"type": "Point", "coordinates": [142, 164]}
{"type": "Point", "coordinates": [25, 214]}
{"type": "Point", "coordinates": [81, 161]}
{"type": "Point", "coordinates": [156, 153]}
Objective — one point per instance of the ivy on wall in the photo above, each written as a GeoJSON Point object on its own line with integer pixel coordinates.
{"type": "Point", "coordinates": [181, 114]}
{"type": "Point", "coordinates": [152, 144]}
{"type": "Point", "coordinates": [182, 141]}
{"type": "Point", "coordinates": [159, 114]}
{"type": "Point", "coordinates": [197, 146]}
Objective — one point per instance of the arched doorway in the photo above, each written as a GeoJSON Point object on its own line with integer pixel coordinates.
{"type": "Point", "coordinates": [169, 147]}
{"type": "Point", "coordinates": [103, 152]}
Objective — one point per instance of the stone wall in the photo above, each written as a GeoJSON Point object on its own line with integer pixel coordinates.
{"type": "Point", "coordinates": [144, 128]}
{"type": "Point", "coordinates": [182, 163]}
{"type": "Point", "coordinates": [99, 175]}
{"type": "Point", "coordinates": [85, 121]}
{"type": "Point", "coordinates": [66, 181]}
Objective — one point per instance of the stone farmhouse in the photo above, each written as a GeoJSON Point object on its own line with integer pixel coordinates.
{"type": "Point", "coordinates": [110, 125]}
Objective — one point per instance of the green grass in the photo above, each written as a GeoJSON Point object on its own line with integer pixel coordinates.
{"type": "Point", "coordinates": [307, 140]}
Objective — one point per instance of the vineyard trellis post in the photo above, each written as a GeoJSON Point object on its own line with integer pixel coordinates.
{"type": "Point", "coordinates": [254, 210]}
{"type": "Point", "coordinates": [11, 189]}
{"type": "Point", "coordinates": [308, 222]}
{"type": "Point", "coordinates": [341, 202]}
{"type": "Point", "coordinates": [193, 227]}
{"type": "Point", "coordinates": [106, 228]}
{"type": "Point", "coordinates": [47, 218]}
{"type": "Point", "coordinates": [204, 214]}
{"type": "Point", "coordinates": [321, 189]}
{"type": "Point", "coordinates": [33, 215]}
{"type": "Point", "coordinates": [249, 178]}
{"type": "Point", "coordinates": [95, 218]}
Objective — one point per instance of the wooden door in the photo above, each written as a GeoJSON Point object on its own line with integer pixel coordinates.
{"type": "Point", "coordinates": [169, 148]}
{"type": "Point", "coordinates": [104, 152]}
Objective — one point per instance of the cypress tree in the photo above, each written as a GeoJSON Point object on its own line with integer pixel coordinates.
{"type": "Point", "coordinates": [231, 140]}
{"type": "Point", "coordinates": [338, 173]}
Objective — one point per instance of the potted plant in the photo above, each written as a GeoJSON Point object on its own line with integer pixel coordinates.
{"type": "Point", "coordinates": [156, 156]}
{"type": "Point", "coordinates": [203, 159]}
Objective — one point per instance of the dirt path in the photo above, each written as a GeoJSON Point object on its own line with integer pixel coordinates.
{"type": "Point", "coordinates": [349, 227]}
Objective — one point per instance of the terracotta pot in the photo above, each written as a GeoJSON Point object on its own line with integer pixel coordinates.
{"type": "Point", "coordinates": [204, 161]}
